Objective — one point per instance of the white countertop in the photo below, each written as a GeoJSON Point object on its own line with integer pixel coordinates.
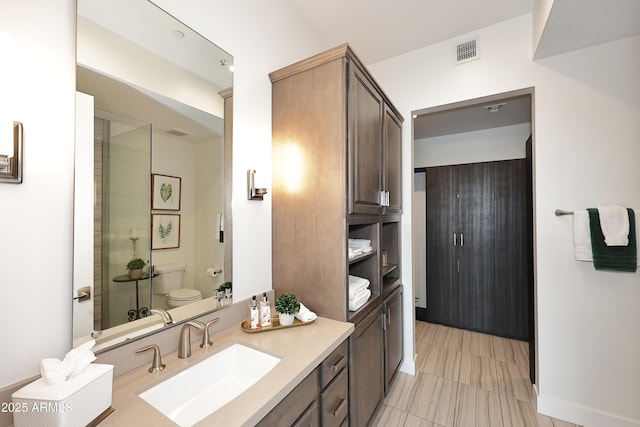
{"type": "Point", "coordinates": [300, 348]}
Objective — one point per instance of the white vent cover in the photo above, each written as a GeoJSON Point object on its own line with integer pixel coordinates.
{"type": "Point", "coordinates": [466, 51]}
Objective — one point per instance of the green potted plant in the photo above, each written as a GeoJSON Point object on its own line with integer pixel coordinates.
{"type": "Point", "coordinates": [287, 305]}
{"type": "Point", "coordinates": [135, 266]}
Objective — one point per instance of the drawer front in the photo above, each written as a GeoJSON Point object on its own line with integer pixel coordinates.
{"type": "Point", "coordinates": [296, 402]}
{"type": "Point", "coordinates": [334, 401]}
{"type": "Point", "coordinates": [311, 417]}
{"type": "Point", "coordinates": [334, 363]}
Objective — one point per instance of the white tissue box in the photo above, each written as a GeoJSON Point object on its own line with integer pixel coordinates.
{"type": "Point", "coordinates": [75, 402]}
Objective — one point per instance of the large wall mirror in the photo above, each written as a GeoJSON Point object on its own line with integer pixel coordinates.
{"type": "Point", "coordinates": [151, 176]}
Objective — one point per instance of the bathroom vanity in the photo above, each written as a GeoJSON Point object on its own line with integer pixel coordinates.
{"type": "Point", "coordinates": [309, 356]}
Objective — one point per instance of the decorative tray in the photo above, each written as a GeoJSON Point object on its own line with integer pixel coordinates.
{"type": "Point", "coordinates": [275, 324]}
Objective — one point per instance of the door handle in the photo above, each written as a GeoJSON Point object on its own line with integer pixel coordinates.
{"type": "Point", "coordinates": [461, 239]}
{"type": "Point", "coordinates": [84, 294]}
{"type": "Point", "coordinates": [454, 240]}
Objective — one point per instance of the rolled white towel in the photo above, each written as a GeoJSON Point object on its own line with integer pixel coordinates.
{"type": "Point", "coordinates": [614, 222]}
{"type": "Point", "coordinates": [356, 304]}
{"type": "Point", "coordinates": [305, 315]}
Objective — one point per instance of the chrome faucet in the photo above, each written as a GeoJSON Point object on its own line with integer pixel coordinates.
{"type": "Point", "coordinates": [166, 317]}
{"type": "Point", "coordinates": [184, 343]}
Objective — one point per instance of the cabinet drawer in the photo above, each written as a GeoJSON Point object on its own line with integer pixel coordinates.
{"type": "Point", "coordinates": [334, 363]}
{"type": "Point", "coordinates": [310, 418]}
{"type": "Point", "coordinates": [296, 402]}
{"type": "Point", "coordinates": [334, 401]}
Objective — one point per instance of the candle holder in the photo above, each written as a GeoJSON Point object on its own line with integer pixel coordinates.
{"type": "Point", "coordinates": [133, 241]}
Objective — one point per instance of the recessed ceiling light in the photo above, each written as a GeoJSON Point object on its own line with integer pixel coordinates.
{"type": "Point", "coordinates": [178, 34]}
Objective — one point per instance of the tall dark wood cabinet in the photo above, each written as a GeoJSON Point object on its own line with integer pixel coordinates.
{"type": "Point", "coordinates": [477, 253]}
{"type": "Point", "coordinates": [337, 176]}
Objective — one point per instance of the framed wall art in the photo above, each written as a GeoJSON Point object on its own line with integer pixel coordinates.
{"type": "Point", "coordinates": [165, 231]}
{"type": "Point", "coordinates": [165, 193]}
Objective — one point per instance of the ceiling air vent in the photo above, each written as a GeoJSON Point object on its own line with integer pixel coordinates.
{"type": "Point", "coordinates": [466, 51]}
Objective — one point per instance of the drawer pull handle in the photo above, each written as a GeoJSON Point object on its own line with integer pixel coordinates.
{"type": "Point", "coordinates": [339, 408]}
{"type": "Point", "coordinates": [338, 365]}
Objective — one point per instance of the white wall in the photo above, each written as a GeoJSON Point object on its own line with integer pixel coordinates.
{"type": "Point", "coordinates": [36, 216]}
{"type": "Point", "coordinates": [587, 105]}
{"type": "Point", "coordinates": [503, 143]}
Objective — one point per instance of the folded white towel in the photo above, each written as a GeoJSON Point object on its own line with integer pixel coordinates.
{"type": "Point", "coordinates": [614, 222]}
{"type": "Point", "coordinates": [359, 243]}
{"type": "Point", "coordinates": [355, 305]}
{"type": "Point", "coordinates": [357, 284]}
{"type": "Point", "coordinates": [354, 252]}
{"type": "Point", "coordinates": [358, 294]}
{"type": "Point", "coordinates": [305, 315]}
{"type": "Point", "coordinates": [582, 235]}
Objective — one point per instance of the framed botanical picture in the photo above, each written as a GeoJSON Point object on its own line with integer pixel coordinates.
{"type": "Point", "coordinates": [165, 231]}
{"type": "Point", "coordinates": [165, 193]}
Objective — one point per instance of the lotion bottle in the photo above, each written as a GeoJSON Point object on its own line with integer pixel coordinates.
{"type": "Point", "coordinates": [265, 311]}
{"type": "Point", "coordinates": [253, 313]}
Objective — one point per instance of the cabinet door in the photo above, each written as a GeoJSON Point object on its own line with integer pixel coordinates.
{"type": "Point", "coordinates": [392, 161]}
{"type": "Point", "coordinates": [365, 144]}
{"type": "Point", "coordinates": [441, 260]}
{"type": "Point", "coordinates": [392, 337]}
{"type": "Point", "coordinates": [366, 369]}
{"type": "Point", "coordinates": [511, 251]}
{"type": "Point", "coordinates": [476, 245]}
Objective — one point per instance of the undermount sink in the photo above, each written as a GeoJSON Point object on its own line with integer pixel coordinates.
{"type": "Point", "coordinates": [192, 394]}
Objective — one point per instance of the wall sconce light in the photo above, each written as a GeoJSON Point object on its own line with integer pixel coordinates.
{"type": "Point", "coordinates": [11, 155]}
{"type": "Point", "coordinates": [254, 193]}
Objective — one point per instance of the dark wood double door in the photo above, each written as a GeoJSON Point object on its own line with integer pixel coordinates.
{"type": "Point", "coordinates": [478, 250]}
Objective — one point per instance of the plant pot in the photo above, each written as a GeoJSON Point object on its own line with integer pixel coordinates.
{"type": "Point", "coordinates": [135, 274]}
{"type": "Point", "coordinates": [286, 319]}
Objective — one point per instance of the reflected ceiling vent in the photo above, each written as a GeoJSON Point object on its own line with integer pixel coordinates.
{"type": "Point", "coordinates": [176, 132]}
{"type": "Point", "coordinates": [466, 51]}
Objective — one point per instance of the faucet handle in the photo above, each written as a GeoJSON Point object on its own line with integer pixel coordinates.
{"type": "Point", "coordinates": [156, 364]}
{"type": "Point", "coordinates": [206, 341]}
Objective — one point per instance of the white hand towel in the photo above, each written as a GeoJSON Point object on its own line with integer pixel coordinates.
{"type": "Point", "coordinates": [357, 284]}
{"type": "Point", "coordinates": [614, 222]}
{"type": "Point", "coordinates": [305, 315]}
{"type": "Point", "coordinates": [356, 304]}
{"type": "Point", "coordinates": [581, 236]}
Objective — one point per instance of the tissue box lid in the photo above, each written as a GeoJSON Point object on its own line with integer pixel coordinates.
{"type": "Point", "coordinates": [41, 390]}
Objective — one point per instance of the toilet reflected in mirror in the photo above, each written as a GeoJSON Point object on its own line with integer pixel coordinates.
{"type": "Point", "coordinates": [169, 289]}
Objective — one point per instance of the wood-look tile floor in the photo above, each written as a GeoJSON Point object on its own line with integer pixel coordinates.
{"type": "Point", "coordinates": [464, 379]}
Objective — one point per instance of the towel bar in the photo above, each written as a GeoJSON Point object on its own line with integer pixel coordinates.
{"type": "Point", "coordinates": [561, 212]}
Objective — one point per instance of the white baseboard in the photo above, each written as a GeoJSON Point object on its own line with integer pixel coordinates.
{"type": "Point", "coordinates": [582, 415]}
{"type": "Point", "coordinates": [408, 366]}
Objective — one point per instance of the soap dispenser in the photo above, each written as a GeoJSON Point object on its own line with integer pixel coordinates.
{"type": "Point", "coordinates": [254, 314]}
{"type": "Point", "coordinates": [265, 311]}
